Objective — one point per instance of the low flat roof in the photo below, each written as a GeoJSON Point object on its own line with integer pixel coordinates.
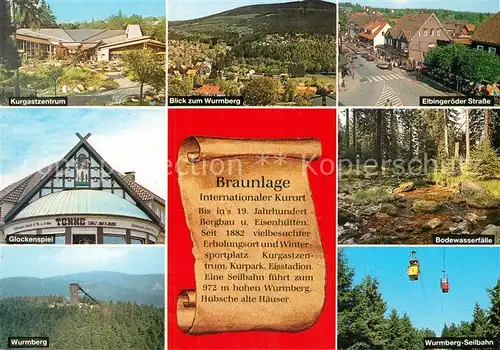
{"type": "Point", "coordinates": [134, 41]}
{"type": "Point", "coordinates": [71, 35]}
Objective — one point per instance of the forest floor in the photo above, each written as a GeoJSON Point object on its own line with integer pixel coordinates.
{"type": "Point", "coordinates": [384, 209]}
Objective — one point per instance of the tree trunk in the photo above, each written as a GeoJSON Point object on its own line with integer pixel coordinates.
{"type": "Point", "coordinates": [421, 145]}
{"type": "Point", "coordinates": [467, 137]}
{"type": "Point", "coordinates": [446, 145]}
{"type": "Point", "coordinates": [140, 93]}
{"type": "Point", "coordinates": [487, 126]}
{"type": "Point", "coordinates": [393, 134]}
{"type": "Point", "coordinates": [354, 122]}
{"type": "Point", "coordinates": [410, 140]}
{"type": "Point", "coordinates": [378, 140]}
{"type": "Point", "coordinates": [347, 122]}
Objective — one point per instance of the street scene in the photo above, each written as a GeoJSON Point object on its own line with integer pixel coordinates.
{"type": "Point", "coordinates": [369, 85]}
{"type": "Point", "coordinates": [269, 53]}
{"type": "Point", "coordinates": [391, 57]}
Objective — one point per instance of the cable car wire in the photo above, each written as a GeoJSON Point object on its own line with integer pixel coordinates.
{"type": "Point", "coordinates": [444, 259]}
{"type": "Point", "coordinates": [498, 263]}
{"type": "Point", "coordinates": [423, 288]}
{"type": "Point", "coordinates": [462, 268]}
{"type": "Point", "coordinates": [421, 282]}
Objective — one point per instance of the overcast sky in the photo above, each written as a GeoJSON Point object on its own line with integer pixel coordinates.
{"type": "Point", "coordinates": [128, 139]}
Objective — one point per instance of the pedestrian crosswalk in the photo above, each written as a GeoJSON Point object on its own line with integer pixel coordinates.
{"type": "Point", "coordinates": [382, 77]}
{"type": "Point", "coordinates": [389, 98]}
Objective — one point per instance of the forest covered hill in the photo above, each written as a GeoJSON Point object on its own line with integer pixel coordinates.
{"type": "Point", "coordinates": [101, 327]}
{"type": "Point", "coordinates": [287, 40]}
{"type": "Point", "coordinates": [302, 17]}
{"type": "Point", "coordinates": [156, 27]}
{"type": "Point", "coordinates": [443, 14]}
{"type": "Point", "coordinates": [102, 285]}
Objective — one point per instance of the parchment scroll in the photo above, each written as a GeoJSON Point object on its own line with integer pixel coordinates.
{"type": "Point", "coordinates": [259, 262]}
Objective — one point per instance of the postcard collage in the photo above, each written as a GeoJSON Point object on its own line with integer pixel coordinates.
{"type": "Point", "coordinates": [249, 174]}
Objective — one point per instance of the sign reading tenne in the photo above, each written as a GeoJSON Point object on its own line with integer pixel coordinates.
{"type": "Point", "coordinates": [70, 222]}
{"type": "Point", "coordinates": [62, 222]}
{"type": "Point", "coordinates": [82, 222]}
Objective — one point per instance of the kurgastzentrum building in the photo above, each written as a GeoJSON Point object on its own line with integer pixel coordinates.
{"type": "Point", "coordinates": [82, 200]}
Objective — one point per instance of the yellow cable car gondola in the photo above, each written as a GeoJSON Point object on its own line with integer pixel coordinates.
{"type": "Point", "coordinates": [413, 267]}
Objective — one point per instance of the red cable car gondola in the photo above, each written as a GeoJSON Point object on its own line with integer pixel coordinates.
{"type": "Point", "coordinates": [445, 286]}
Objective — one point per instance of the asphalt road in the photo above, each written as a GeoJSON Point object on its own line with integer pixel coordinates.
{"type": "Point", "coordinates": [373, 86]}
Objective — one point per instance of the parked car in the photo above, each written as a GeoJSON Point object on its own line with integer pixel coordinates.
{"type": "Point", "coordinates": [383, 65]}
{"type": "Point", "coordinates": [421, 67]}
{"type": "Point", "coordinates": [370, 58]}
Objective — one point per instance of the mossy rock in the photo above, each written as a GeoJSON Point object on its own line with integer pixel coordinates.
{"type": "Point", "coordinates": [431, 224]}
{"type": "Point", "coordinates": [372, 195]}
{"type": "Point", "coordinates": [345, 215]}
{"type": "Point", "coordinates": [424, 206]}
{"type": "Point", "coordinates": [473, 217]}
{"type": "Point", "coordinates": [494, 231]}
{"type": "Point", "coordinates": [469, 188]}
{"type": "Point", "coordinates": [483, 201]}
{"type": "Point", "coordinates": [405, 187]}
{"type": "Point", "coordinates": [388, 208]}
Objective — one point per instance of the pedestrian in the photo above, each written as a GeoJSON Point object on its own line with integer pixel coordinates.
{"type": "Point", "coordinates": [342, 83]}
{"type": "Point", "coordinates": [388, 103]}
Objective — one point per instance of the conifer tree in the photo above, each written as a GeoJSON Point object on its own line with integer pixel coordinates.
{"type": "Point", "coordinates": [8, 55]}
{"type": "Point", "coordinates": [494, 311]}
{"type": "Point", "coordinates": [369, 308]}
{"type": "Point", "coordinates": [479, 325]}
{"type": "Point", "coordinates": [345, 301]}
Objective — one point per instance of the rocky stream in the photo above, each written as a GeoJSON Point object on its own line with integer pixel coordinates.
{"type": "Point", "coordinates": [384, 210]}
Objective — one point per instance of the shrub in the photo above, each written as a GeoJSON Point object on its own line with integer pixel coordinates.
{"type": "Point", "coordinates": [449, 172]}
{"type": "Point", "coordinates": [5, 76]}
{"type": "Point", "coordinates": [73, 76]}
{"type": "Point", "coordinates": [485, 163]}
{"type": "Point", "coordinates": [372, 195]}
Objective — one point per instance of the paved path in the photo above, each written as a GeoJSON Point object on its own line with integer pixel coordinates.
{"type": "Point", "coordinates": [382, 77]}
{"type": "Point", "coordinates": [372, 86]}
{"type": "Point", "coordinates": [121, 80]}
{"type": "Point", "coordinates": [388, 98]}
{"type": "Point", "coordinates": [110, 97]}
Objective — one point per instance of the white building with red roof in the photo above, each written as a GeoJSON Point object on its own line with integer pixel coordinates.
{"type": "Point", "coordinates": [373, 32]}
